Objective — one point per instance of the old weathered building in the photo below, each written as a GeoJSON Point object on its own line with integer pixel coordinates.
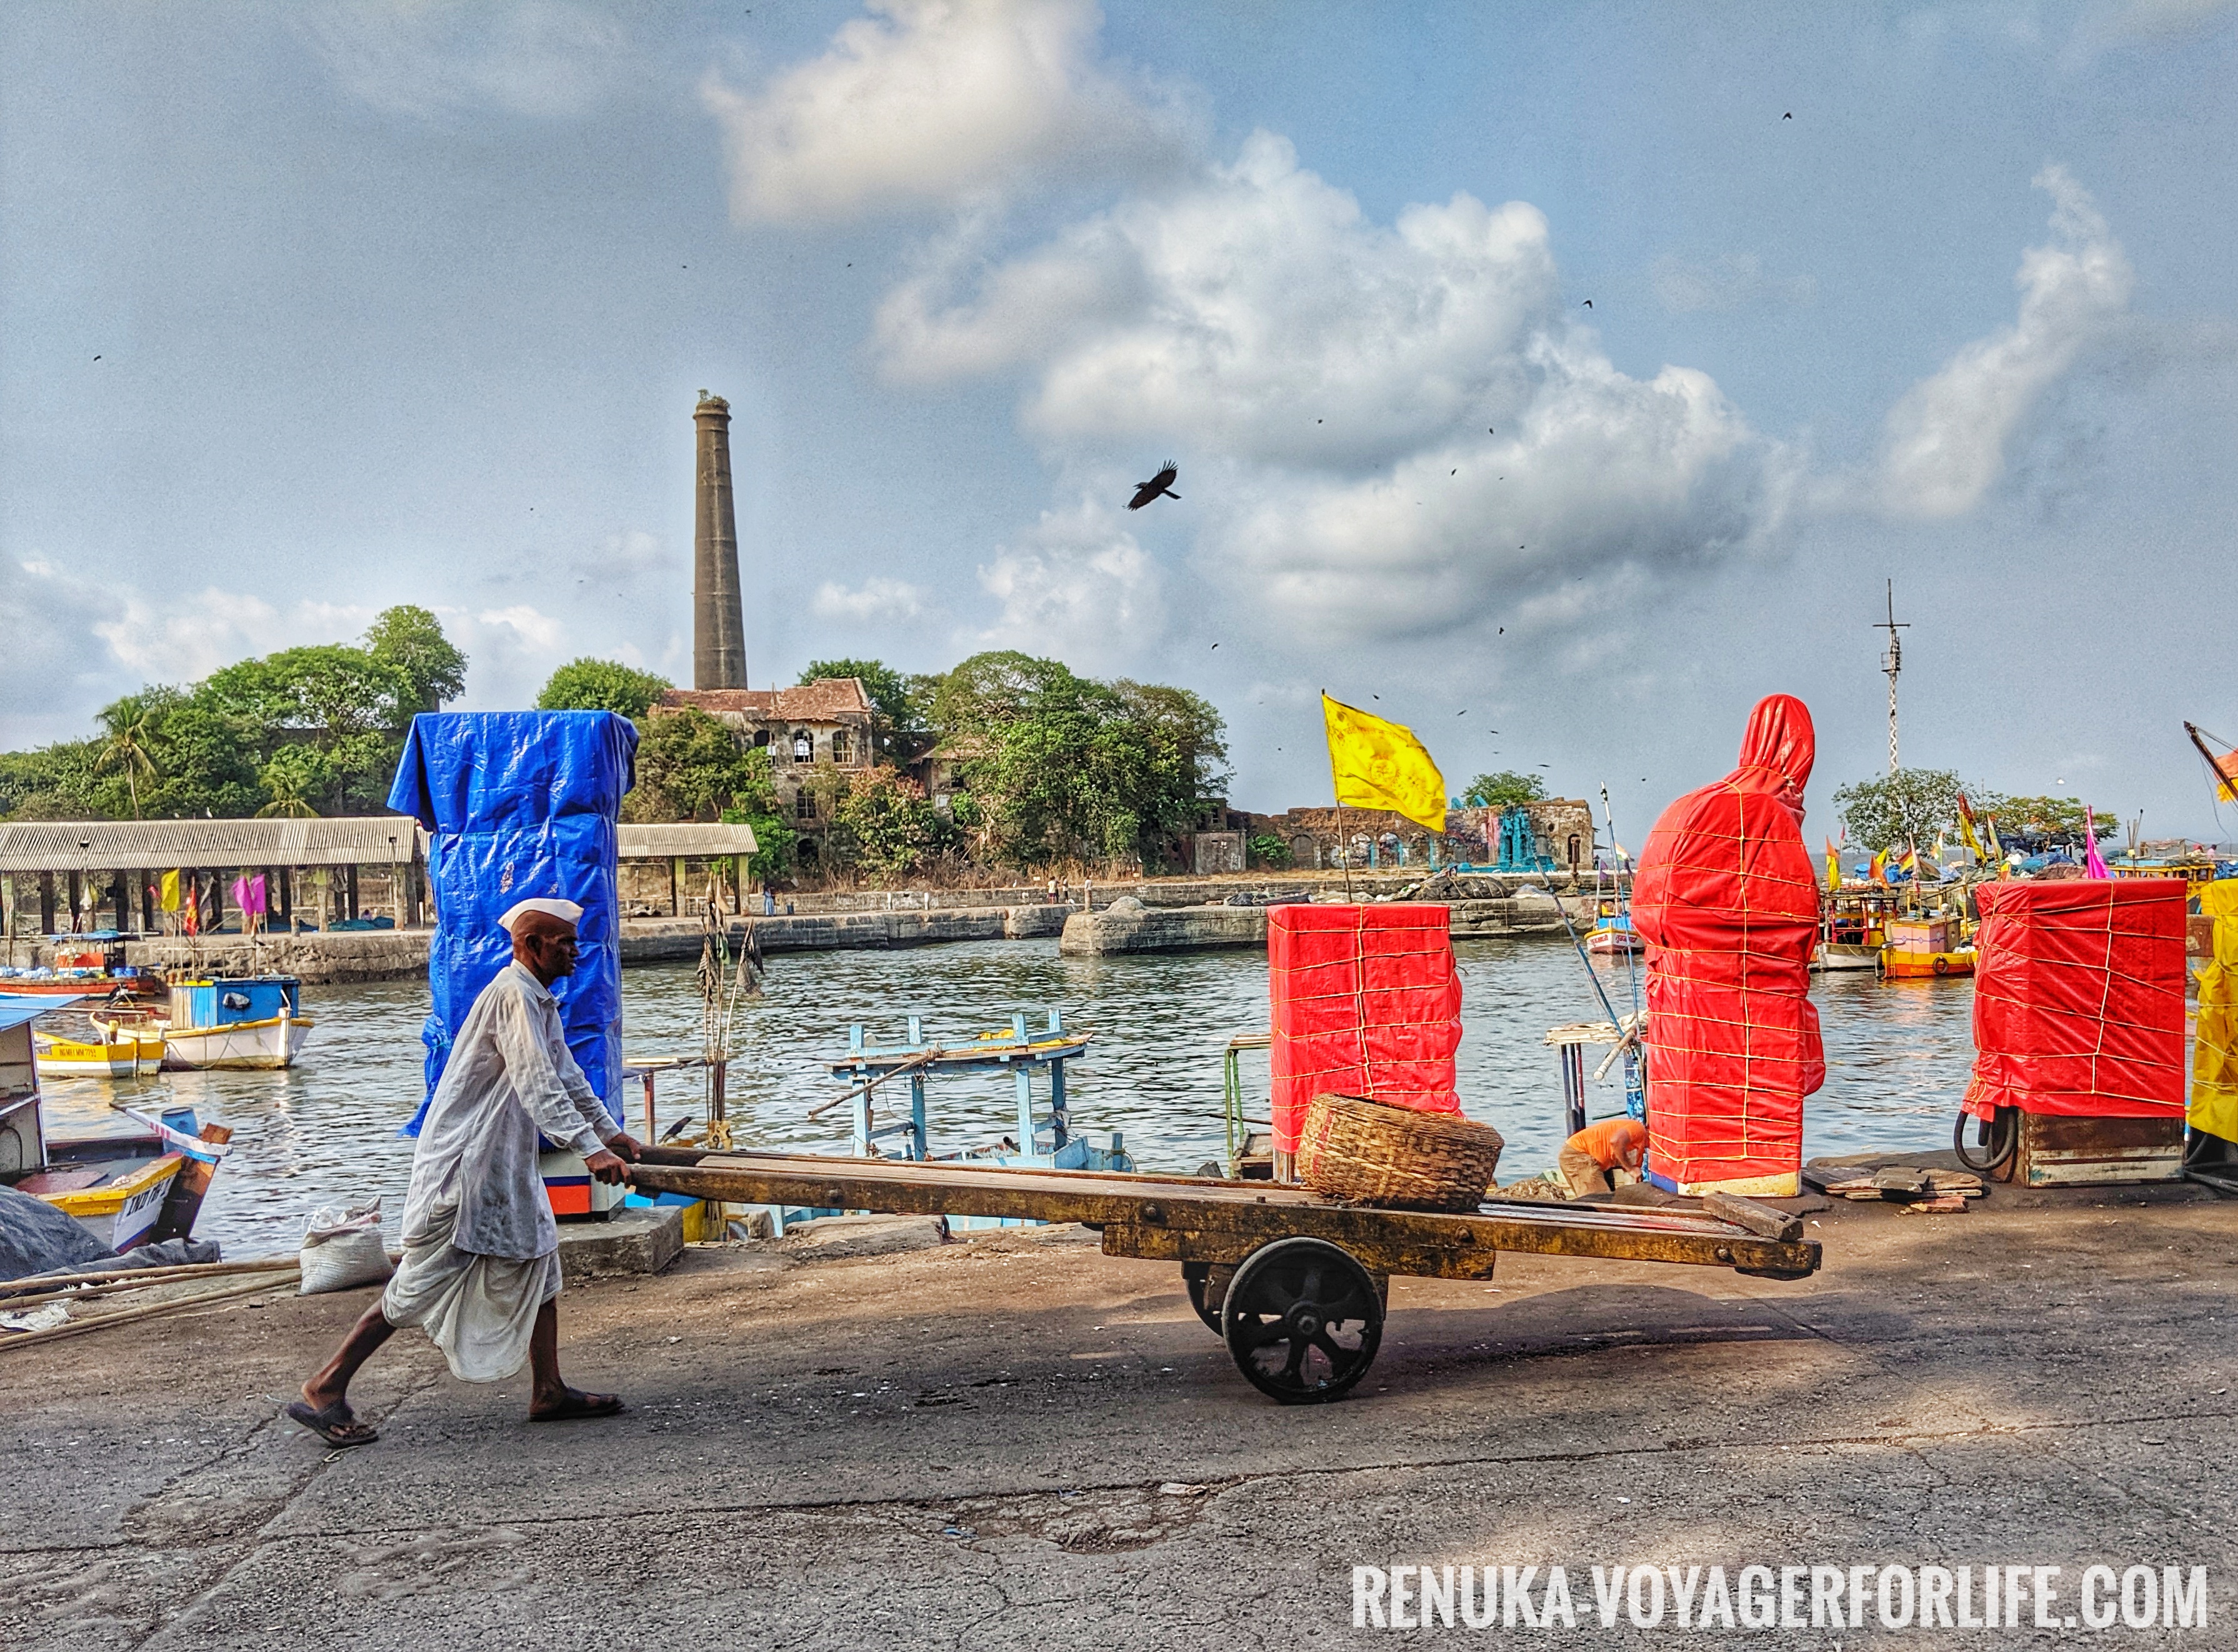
{"type": "Point", "coordinates": [820, 729]}
{"type": "Point", "coordinates": [1561, 833]}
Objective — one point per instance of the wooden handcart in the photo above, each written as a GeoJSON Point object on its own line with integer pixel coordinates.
{"type": "Point", "coordinates": [1295, 1284]}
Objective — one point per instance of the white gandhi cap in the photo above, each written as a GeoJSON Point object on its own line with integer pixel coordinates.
{"type": "Point", "coordinates": [567, 911]}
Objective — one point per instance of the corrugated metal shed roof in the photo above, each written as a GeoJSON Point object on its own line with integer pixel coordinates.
{"type": "Point", "coordinates": [104, 845]}
{"type": "Point", "coordinates": [688, 838]}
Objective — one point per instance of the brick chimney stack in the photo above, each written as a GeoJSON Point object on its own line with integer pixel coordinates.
{"type": "Point", "coordinates": [718, 623]}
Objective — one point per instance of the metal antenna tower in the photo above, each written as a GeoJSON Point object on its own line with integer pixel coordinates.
{"type": "Point", "coordinates": [1891, 662]}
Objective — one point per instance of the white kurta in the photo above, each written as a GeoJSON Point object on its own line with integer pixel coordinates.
{"type": "Point", "coordinates": [482, 1253]}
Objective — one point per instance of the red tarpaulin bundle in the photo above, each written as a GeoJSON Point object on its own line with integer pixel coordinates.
{"type": "Point", "coordinates": [2078, 998]}
{"type": "Point", "coordinates": [1367, 1001]}
{"type": "Point", "coordinates": [1728, 903]}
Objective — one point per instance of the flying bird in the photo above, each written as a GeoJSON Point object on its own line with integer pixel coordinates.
{"type": "Point", "coordinates": [1589, 303]}
{"type": "Point", "coordinates": [1789, 115]}
{"type": "Point", "coordinates": [96, 357]}
{"type": "Point", "coordinates": [1215, 645]}
{"type": "Point", "coordinates": [1462, 712]}
{"type": "Point", "coordinates": [1161, 483]}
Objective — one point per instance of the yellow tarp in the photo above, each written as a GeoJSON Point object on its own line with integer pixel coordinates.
{"type": "Point", "coordinates": [1381, 765]}
{"type": "Point", "coordinates": [2215, 1037]}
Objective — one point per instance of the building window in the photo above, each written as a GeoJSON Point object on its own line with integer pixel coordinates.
{"type": "Point", "coordinates": [803, 746]}
{"type": "Point", "coordinates": [761, 736]}
{"type": "Point", "coordinates": [1573, 848]}
{"type": "Point", "coordinates": [840, 745]}
{"type": "Point", "coordinates": [803, 805]}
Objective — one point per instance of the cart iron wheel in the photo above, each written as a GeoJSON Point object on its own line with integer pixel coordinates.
{"type": "Point", "coordinates": [1302, 1320]}
{"type": "Point", "coordinates": [1207, 1288]}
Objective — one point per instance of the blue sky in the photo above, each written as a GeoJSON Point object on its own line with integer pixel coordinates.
{"type": "Point", "coordinates": [409, 301]}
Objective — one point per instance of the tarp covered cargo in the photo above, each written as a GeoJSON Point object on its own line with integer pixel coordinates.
{"type": "Point", "coordinates": [1727, 900]}
{"type": "Point", "coordinates": [520, 803]}
{"type": "Point", "coordinates": [2078, 998]}
{"type": "Point", "coordinates": [1365, 1001]}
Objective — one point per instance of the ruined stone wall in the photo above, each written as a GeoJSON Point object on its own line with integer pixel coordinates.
{"type": "Point", "coordinates": [1562, 826]}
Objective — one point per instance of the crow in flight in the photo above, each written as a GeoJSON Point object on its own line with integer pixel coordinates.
{"type": "Point", "coordinates": [1161, 483]}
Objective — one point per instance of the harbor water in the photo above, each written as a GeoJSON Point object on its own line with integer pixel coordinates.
{"type": "Point", "coordinates": [325, 1133]}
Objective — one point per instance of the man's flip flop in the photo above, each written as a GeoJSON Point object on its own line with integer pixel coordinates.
{"type": "Point", "coordinates": [334, 1424]}
{"type": "Point", "coordinates": [579, 1405]}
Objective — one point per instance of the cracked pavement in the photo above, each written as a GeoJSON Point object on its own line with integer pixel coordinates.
{"type": "Point", "coordinates": [1017, 1441]}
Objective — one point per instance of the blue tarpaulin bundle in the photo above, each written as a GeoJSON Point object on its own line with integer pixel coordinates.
{"type": "Point", "coordinates": [521, 804]}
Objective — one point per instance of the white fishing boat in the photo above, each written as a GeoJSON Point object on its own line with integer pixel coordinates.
{"type": "Point", "coordinates": [246, 1023]}
{"type": "Point", "coordinates": [114, 1052]}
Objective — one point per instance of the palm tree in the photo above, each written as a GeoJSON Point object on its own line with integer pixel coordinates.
{"type": "Point", "coordinates": [287, 800]}
{"type": "Point", "coordinates": [128, 724]}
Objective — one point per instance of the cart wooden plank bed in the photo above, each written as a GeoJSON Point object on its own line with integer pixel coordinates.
{"type": "Point", "coordinates": [1292, 1282]}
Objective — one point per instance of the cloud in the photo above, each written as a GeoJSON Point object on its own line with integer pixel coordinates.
{"type": "Point", "coordinates": [2106, 25]}
{"type": "Point", "coordinates": [1728, 282]}
{"type": "Point", "coordinates": [876, 598]}
{"type": "Point", "coordinates": [431, 58]}
{"type": "Point", "coordinates": [1944, 444]}
{"type": "Point", "coordinates": [1078, 586]}
{"type": "Point", "coordinates": [1395, 429]}
{"type": "Point", "coordinates": [927, 101]}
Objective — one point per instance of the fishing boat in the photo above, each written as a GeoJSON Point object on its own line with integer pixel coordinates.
{"type": "Point", "coordinates": [114, 1052]}
{"type": "Point", "coordinates": [243, 1022]}
{"type": "Point", "coordinates": [1852, 927]}
{"type": "Point", "coordinates": [126, 1187]}
{"type": "Point", "coordinates": [1612, 933]}
{"type": "Point", "coordinates": [1924, 947]}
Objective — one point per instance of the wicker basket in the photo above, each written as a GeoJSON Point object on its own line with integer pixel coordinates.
{"type": "Point", "coordinates": [1370, 1152]}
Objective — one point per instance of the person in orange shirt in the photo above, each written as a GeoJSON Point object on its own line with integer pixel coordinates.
{"type": "Point", "coordinates": [1610, 1144]}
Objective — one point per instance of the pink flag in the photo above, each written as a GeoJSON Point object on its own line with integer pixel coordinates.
{"type": "Point", "coordinates": [248, 894]}
{"type": "Point", "coordinates": [2094, 865]}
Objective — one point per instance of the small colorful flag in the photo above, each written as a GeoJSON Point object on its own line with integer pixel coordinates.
{"type": "Point", "coordinates": [2094, 864]}
{"type": "Point", "coordinates": [1966, 828]}
{"type": "Point", "coordinates": [1878, 871]}
{"type": "Point", "coordinates": [169, 899]}
{"type": "Point", "coordinates": [1833, 867]}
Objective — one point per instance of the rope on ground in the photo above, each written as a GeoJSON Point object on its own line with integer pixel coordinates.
{"type": "Point", "coordinates": [153, 1309]}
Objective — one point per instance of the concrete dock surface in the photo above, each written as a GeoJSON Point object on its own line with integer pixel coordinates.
{"type": "Point", "coordinates": [1017, 1442]}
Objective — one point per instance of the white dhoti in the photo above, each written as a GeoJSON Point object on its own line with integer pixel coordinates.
{"type": "Point", "coordinates": [480, 1309]}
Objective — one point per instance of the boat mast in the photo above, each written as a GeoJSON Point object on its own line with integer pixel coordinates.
{"type": "Point", "coordinates": [1891, 662]}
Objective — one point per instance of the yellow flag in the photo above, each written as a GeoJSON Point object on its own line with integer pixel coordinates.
{"type": "Point", "coordinates": [170, 900]}
{"type": "Point", "coordinates": [1381, 765]}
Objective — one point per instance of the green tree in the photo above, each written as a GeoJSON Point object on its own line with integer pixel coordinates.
{"type": "Point", "coordinates": [411, 640]}
{"type": "Point", "coordinates": [1062, 767]}
{"type": "Point", "coordinates": [2043, 821]}
{"type": "Point", "coordinates": [56, 781]}
{"type": "Point", "coordinates": [209, 759]}
{"type": "Point", "coordinates": [127, 733]}
{"type": "Point", "coordinates": [898, 731]}
{"type": "Point", "coordinates": [884, 823]}
{"type": "Point", "coordinates": [1908, 806]}
{"type": "Point", "coordinates": [1503, 788]}
{"type": "Point", "coordinates": [603, 685]}
{"type": "Point", "coordinates": [689, 767]}
{"type": "Point", "coordinates": [1270, 851]}
{"type": "Point", "coordinates": [295, 776]}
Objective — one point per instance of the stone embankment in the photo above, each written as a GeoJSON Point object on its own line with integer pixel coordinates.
{"type": "Point", "coordinates": [323, 957]}
{"type": "Point", "coordinates": [1131, 925]}
{"type": "Point", "coordinates": [660, 940]}
{"type": "Point", "coordinates": [1160, 915]}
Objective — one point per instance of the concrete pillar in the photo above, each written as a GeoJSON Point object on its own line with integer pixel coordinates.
{"type": "Point", "coordinates": [353, 892]}
{"type": "Point", "coordinates": [286, 898]}
{"type": "Point", "coordinates": [46, 904]}
{"type": "Point", "coordinates": [147, 901]}
{"type": "Point", "coordinates": [718, 625]}
{"type": "Point", "coordinates": [119, 896]}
